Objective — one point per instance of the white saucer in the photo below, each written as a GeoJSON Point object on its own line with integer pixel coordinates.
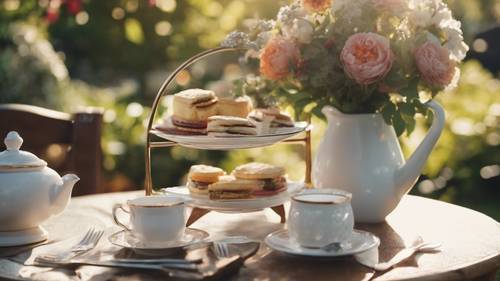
{"type": "Point", "coordinates": [22, 237]}
{"type": "Point", "coordinates": [360, 241]}
{"type": "Point", "coordinates": [128, 240]}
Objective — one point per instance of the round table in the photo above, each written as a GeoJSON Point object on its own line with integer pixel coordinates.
{"type": "Point", "coordinates": [470, 241]}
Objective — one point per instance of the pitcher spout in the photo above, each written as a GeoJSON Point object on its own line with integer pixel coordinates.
{"type": "Point", "coordinates": [61, 194]}
{"type": "Point", "coordinates": [407, 174]}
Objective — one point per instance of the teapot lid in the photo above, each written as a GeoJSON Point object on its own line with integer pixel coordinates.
{"type": "Point", "coordinates": [13, 158]}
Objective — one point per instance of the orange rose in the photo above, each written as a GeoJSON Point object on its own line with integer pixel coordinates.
{"type": "Point", "coordinates": [278, 57]}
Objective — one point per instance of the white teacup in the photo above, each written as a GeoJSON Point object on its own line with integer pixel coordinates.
{"type": "Point", "coordinates": [320, 217]}
{"type": "Point", "coordinates": [154, 218]}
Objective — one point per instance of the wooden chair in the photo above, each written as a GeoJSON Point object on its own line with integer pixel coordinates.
{"type": "Point", "coordinates": [69, 143]}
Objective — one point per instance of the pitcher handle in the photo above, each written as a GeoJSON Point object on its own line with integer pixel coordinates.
{"type": "Point", "coordinates": [408, 174]}
{"type": "Point", "coordinates": [116, 208]}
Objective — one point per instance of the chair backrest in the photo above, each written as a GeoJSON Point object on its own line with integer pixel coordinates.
{"type": "Point", "coordinates": [69, 143]}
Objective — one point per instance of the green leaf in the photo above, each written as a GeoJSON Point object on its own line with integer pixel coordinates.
{"type": "Point", "coordinates": [388, 112]}
{"type": "Point", "coordinates": [399, 124]}
{"type": "Point", "coordinates": [411, 91]}
{"type": "Point", "coordinates": [406, 109]}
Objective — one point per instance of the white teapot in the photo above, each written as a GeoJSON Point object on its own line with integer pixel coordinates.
{"type": "Point", "coordinates": [30, 193]}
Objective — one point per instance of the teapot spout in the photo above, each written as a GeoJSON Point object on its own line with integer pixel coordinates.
{"type": "Point", "coordinates": [407, 175]}
{"type": "Point", "coordinates": [61, 194]}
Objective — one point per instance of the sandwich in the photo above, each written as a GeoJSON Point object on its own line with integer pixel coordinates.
{"type": "Point", "coordinates": [192, 108]}
{"type": "Point", "coordinates": [201, 176]}
{"type": "Point", "coordinates": [239, 107]}
{"type": "Point", "coordinates": [219, 125]}
{"type": "Point", "coordinates": [272, 177]}
{"type": "Point", "coordinates": [229, 187]}
{"type": "Point", "coordinates": [279, 119]}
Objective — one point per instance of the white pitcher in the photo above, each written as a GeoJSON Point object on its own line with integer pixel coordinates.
{"type": "Point", "coordinates": [361, 154]}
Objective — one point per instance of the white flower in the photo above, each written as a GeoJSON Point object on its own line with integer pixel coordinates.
{"type": "Point", "coordinates": [237, 39]}
{"type": "Point", "coordinates": [348, 9]}
{"type": "Point", "coordinates": [422, 11]}
{"type": "Point", "coordinates": [287, 14]}
{"type": "Point", "coordinates": [300, 30]}
{"type": "Point", "coordinates": [454, 81]}
{"type": "Point", "coordinates": [455, 43]}
{"type": "Point", "coordinates": [263, 37]}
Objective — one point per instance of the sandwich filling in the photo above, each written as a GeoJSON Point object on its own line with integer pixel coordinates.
{"type": "Point", "coordinates": [274, 183]}
{"type": "Point", "coordinates": [229, 194]}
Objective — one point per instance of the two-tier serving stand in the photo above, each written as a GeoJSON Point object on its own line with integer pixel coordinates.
{"type": "Point", "coordinates": [150, 144]}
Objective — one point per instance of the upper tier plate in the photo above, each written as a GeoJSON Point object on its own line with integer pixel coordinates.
{"type": "Point", "coordinates": [233, 142]}
{"type": "Point", "coordinates": [236, 205]}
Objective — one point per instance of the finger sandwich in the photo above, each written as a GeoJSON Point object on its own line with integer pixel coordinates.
{"type": "Point", "coordinates": [201, 176]}
{"type": "Point", "coordinates": [229, 187]}
{"type": "Point", "coordinates": [191, 109]}
{"type": "Point", "coordinates": [272, 177]}
{"type": "Point", "coordinates": [219, 125]}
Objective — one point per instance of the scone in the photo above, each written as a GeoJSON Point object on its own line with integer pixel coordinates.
{"type": "Point", "coordinates": [230, 126]}
{"type": "Point", "coordinates": [272, 177]}
{"type": "Point", "coordinates": [229, 187]}
{"type": "Point", "coordinates": [201, 176]}
{"type": "Point", "coordinates": [191, 109]}
{"type": "Point", "coordinates": [239, 107]}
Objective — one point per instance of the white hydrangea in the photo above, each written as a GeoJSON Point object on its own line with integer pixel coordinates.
{"type": "Point", "coordinates": [422, 11]}
{"type": "Point", "coordinates": [287, 14]}
{"type": "Point", "coordinates": [455, 43]}
{"type": "Point", "coordinates": [350, 9]}
{"type": "Point", "coordinates": [238, 39]}
{"type": "Point", "coordinates": [300, 30]}
{"type": "Point", "coordinates": [294, 23]}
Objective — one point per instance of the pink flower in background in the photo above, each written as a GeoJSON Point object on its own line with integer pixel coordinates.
{"type": "Point", "coordinates": [434, 64]}
{"type": "Point", "coordinates": [367, 57]}
{"type": "Point", "coordinates": [278, 57]}
{"type": "Point", "coordinates": [316, 5]}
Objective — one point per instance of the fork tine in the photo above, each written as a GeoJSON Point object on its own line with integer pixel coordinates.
{"type": "Point", "coordinates": [87, 236]}
{"type": "Point", "coordinates": [100, 233]}
{"type": "Point", "coordinates": [226, 250]}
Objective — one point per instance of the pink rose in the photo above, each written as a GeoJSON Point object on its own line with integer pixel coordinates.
{"type": "Point", "coordinates": [434, 64]}
{"type": "Point", "coordinates": [278, 58]}
{"type": "Point", "coordinates": [367, 57]}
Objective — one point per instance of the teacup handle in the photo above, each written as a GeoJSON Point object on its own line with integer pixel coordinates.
{"type": "Point", "coordinates": [116, 208]}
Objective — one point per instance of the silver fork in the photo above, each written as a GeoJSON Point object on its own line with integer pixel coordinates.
{"type": "Point", "coordinates": [88, 242]}
{"type": "Point", "coordinates": [221, 249]}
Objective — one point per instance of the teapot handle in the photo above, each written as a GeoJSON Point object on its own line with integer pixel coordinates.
{"type": "Point", "coordinates": [116, 208]}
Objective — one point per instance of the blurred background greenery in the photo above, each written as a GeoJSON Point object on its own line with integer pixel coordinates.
{"type": "Point", "coordinates": [114, 54]}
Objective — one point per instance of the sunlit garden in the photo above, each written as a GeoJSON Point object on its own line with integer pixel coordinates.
{"type": "Point", "coordinates": [262, 113]}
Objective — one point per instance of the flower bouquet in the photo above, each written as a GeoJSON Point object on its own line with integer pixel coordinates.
{"type": "Point", "coordinates": [359, 56]}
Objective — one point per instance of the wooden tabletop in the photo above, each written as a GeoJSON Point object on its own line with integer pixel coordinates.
{"type": "Point", "coordinates": [470, 241]}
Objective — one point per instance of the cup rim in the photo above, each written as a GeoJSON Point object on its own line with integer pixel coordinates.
{"type": "Point", "coordinates": [156, 205]}
{"type": "Point", "coordinates": [346, 196]}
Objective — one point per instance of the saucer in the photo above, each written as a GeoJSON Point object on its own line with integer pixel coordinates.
{"type": "Point", "coordinates": [22, 237]}
{"type": "Point", "coordinates": [360, 241]}
{"type": "Point", "coordinates": [128, 240]}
